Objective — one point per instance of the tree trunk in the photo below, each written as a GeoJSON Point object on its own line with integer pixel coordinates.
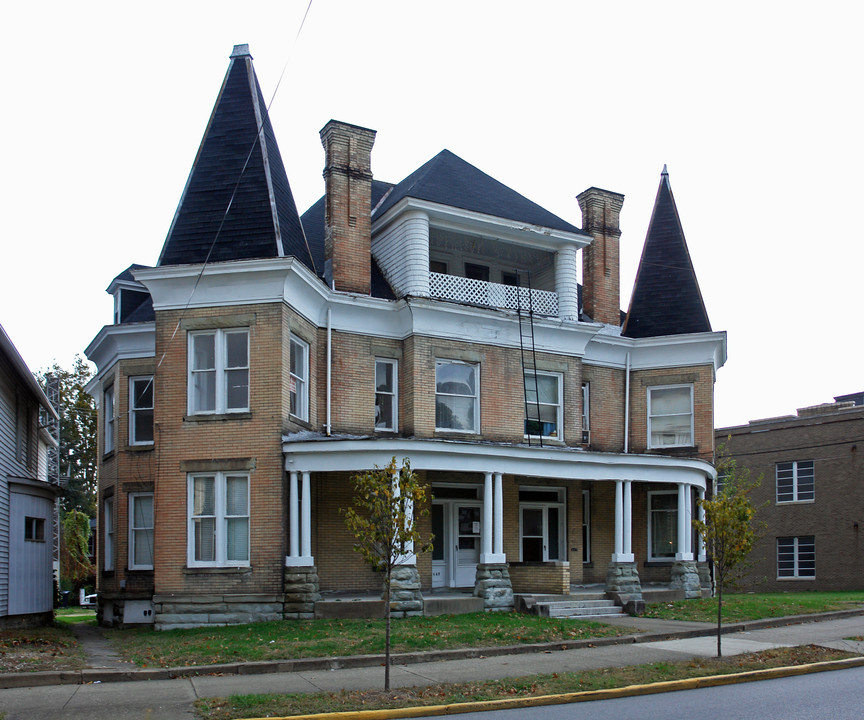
{"type": "Point", "coordinates": [387, 631]}
{"type": "Point", "coordinates": [719, 615]}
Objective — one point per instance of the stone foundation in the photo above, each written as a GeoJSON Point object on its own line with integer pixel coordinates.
{"type": "Point", "coordinates": [406, 599]}
{"type": "Point", "coordinates": [301, 592]}
{"type": "Point", "coordinates": [493, 585]}
{"type": "Point", "coordinates": [187, 611]}
{"type": "Point", "coordinates": [623, 584]}
{"type": "Point", "coordinates": [685, 577]}
{"type": "Point", "coordinates": [704, 570]}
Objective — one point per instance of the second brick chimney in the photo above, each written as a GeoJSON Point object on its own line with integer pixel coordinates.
{"type": "Point", "coordinates": [347, 208]}
{"type": "Point", "coordinates": [601, 212]}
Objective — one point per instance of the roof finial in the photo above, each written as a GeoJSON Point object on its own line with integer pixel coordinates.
{"type": "Point", "coordinates": [240, 51]}
{"type": "Point", "coordinates": [665, 171]}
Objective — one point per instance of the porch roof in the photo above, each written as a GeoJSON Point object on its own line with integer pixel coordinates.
{"type": "Point", "coordinates": [309, 452]}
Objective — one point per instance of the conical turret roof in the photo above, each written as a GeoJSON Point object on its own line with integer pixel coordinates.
{"type": "Point", "coordinates": [666, 299]}
{"type": "Point", "coordinates": [237, 203]}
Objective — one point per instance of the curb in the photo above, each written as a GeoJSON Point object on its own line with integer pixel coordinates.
{"type": "Point", "coordinates": [585, 696]}
{"type": "Point", "coordinates": [106, 675]}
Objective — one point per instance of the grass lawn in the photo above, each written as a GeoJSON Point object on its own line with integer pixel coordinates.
{"type": "Point", "coordinates": [321, 638]}
{"type": "Point", "coordinates": [754, 606]}
{"type": "Point", "coordinates": [45, 648]}
{"type": "Point", "coordinates": [240, 706]}
{"type": "Point", "coordinates": [72, 615]}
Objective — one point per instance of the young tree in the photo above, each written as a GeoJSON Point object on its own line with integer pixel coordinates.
{"type": "Point", "coordinates": [75, 566]}
{"type": "Point", "coordinates": [77, 435]}
{"type": "Point", "coordinates": [387, 502]}
{"type": "Point", "coordinates": [728, 529]}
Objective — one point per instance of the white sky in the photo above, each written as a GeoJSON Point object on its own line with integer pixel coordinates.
{"type": "Point", "coordinates": [755, 107]}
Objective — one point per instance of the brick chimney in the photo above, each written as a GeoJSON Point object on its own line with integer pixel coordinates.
{"type": "Point", "coordinates": [347, 208]}
{"type": "Point", "coordinates": [601, 294]}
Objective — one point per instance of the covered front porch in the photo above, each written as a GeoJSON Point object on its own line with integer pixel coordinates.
{"type": "Point", "coordinates": [510, 522]}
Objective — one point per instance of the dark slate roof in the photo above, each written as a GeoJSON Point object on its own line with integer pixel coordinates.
{"type": "Point", "coordinates": [666, 299]}
{"type": "Point", "coordinates": [448, 180]}
{"type": "Point", "coordinates": [261, 220]}
{"type": "Point", "coordinates": [127, 275]}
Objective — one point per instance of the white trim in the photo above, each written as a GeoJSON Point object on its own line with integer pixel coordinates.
{"type": "Point", "coordinates": [475, 397]}
{"type": "Point", "coordinates": [586, 526]}
{"type": "Point", "coordinates": [132, 528]}
{"type": "Point", "coordinates": [796, 567]}
{"type": "Point", "coordinates": [220, 370]}
{"type": "Point", "coordinates": [559, 421]}
{"type": "Point", "coordinates": [350, 455]}
{"type": "Point", "coordinates": [221, 518]}
{"type": "Point", "coordinates": [650, 416]}
{"type": "Point", "coordinates": [394, 395]}
{"type": "Point", "coordinates": [301, 405]}
{"type": "Point", "coordinates": [649, 554]}
{"type": "Point", "coordinates": [543, 505]}
{"type": "Point", "coordinates": [133, 411]}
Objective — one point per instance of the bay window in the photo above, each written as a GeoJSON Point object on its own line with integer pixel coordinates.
{"type": "Point", "coordinates": [299, 379]}
{"type": "Point", "coordinates": [218, 371]}
{"type": "Point", "coordinates": [218, 511]}
{"type": "Point", "coordinates": [141, 410]}
{"type": "Point", "coordinates": [141, 531]}
{"type": "Point", "coordinates": [670, 416]}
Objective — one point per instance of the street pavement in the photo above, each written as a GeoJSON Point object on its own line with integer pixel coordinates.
{"type": "Point", "coordinates": [173, 699]}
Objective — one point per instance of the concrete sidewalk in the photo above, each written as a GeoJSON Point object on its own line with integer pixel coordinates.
{"type": "Point", "coordinates": [665, 641]}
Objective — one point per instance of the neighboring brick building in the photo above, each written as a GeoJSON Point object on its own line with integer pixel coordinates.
{"type": "Point", "coordinates": [265, 359]}
{"type": "Point", "coordinates": [811, 498]}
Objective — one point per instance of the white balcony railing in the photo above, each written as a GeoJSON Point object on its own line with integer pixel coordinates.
{"type": "Point", "coordinates": [480, 292]}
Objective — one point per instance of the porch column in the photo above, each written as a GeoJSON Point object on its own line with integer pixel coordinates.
{"type": "Point", "coordinates": [700, 547]}
{"type": "Point", "coordinates": [623, 523]}
{"type": "Point", "coordinates": [684, 553]}
{"type": "Point", "coordinates": [499, 519]}
{"type": "Point", "coordinates": [486, 548]}
{"type": "Point", "coordinates": [410, 557]}
{"type": "Point", "coordinates": [300, 521]}
{"type": "Point", "coordinates": [492, 548]}
{"type": "Point", "coordinates": [566, 264]}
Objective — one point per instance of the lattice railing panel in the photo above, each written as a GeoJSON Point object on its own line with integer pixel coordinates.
{"type": "Point", "coordinates": [480, 292]}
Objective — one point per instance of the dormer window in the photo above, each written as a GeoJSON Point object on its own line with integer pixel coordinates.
{"type": "Point", "coordinates": [126, 302]}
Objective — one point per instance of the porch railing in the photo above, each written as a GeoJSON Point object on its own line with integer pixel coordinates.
{"type": "Point", "coordinates": [480, 292]}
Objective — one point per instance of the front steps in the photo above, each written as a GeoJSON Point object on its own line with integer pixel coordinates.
{"type": "Point", "coordinates": [578, 606]}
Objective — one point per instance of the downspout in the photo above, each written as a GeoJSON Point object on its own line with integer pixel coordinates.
{"type": "Point", "coordinates": [627, 405]}
{"type": "Point", "coordinates": [329, 366]}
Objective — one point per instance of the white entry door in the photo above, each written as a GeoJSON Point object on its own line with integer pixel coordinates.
{"type": "Point", "coordinates": [456, 547]}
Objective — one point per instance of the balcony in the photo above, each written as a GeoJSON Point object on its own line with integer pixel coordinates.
{"type": "Point", "coordinates": [489, 294]}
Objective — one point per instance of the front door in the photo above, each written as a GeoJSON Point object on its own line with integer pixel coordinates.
{"type": "Point", "coordinates": [456, 547]}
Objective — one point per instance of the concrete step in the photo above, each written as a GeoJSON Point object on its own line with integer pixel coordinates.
{"type": "Point", "coordinates": [589, 612]}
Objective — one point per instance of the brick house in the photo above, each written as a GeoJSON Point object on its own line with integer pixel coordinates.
{"type": "Point", "coordinates": [811, 498]}
{"type": "Point", "coordinates": [266, 357]}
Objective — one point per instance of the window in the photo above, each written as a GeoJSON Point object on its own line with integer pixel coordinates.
{"type": "Point", "coordinates": [796, 481]}
{"type": "Point", "coordinates": [386, 395]}
{"type": "Point", "coordinates": [541, 515]}
{"type": "Point", "coordinates": [438, 266]}
{"type": "Point", "coordinates": [474, 271]}
{"type": "Point", "coordinates": [543, 405]}
{"type": "Point", "coordinates": [509, 278]}
{"type": "Point", "coordinates": [218, 371]}
{"type": "Point", "coordinates": [34, 529]}
{"type": "Point", "coordinates": [586, 413]}
{"type": "Point", "coordinates": [456, 396]}
{"type": "Point", "coordinates": [108, 518]}
{"type": "Point", "coordinates": [796, 557]}
{"type": "Point", "coordinates": [299, 382]}
{"type": "Point", "coordinates": [141, 410]}
{"type": "Point", "coordinates": [670, 416]}
{"type": "Point", "coordinates": [141, 531]}
{"type": "Point", "coordinates": [218, 520]}
{"type": "Point", "coordinates": [662, 525]}
{"type": "Point", "coordinates": [586, 526]}
{"type": "Point", "coordinates": [108, 418]}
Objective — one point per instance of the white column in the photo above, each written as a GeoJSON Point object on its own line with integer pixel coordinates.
{"type": "Point", "coordinates": [409, 557]}
{"type": "Point", "coordinates": [306, 519]}
{"type": "Point", "coordinates": [499, 520]}
{"type": "Point", "coordinates": [488, 503]}
{"type": "Point", "coordinates": [566, 282]}
{"type": "Point", "coordinates": [684, 553]}
{"type": "Point", "coordinates": [619, 521]}
{"type": "Point", "coordinates": [293, 516]}
{"type": "Point", "coordinates": [700, 547]}
{"type": "Point", "coordinates": [628, 523]}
